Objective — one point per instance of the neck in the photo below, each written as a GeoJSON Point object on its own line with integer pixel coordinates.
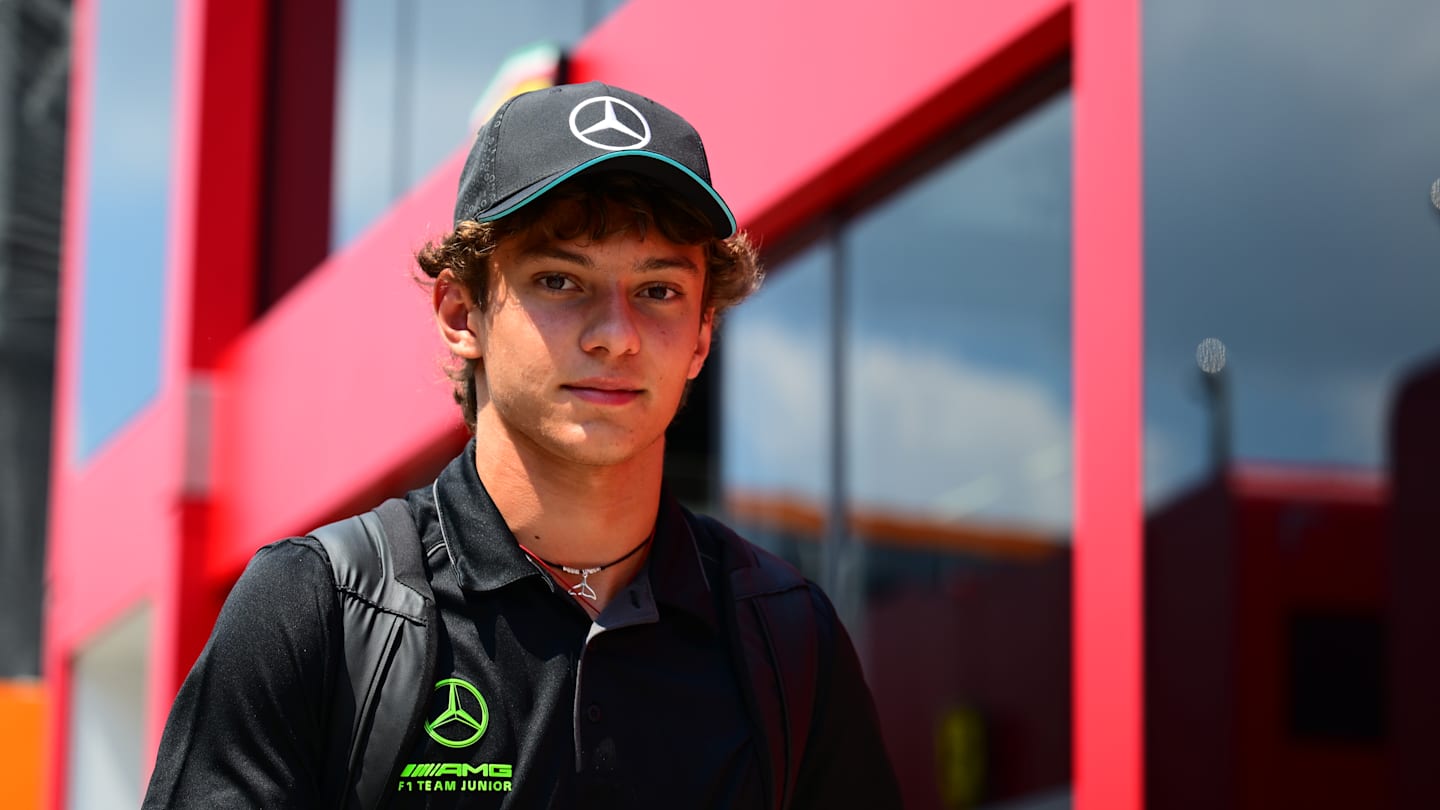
{"type": "Point", "coordinates": [574, 514]}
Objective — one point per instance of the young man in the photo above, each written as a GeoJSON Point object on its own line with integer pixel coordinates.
{"type": "Point", "coordinates": [597, 645]}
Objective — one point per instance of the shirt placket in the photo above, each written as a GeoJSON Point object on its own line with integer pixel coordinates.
{"type": "Point", "coordinates": [597, 757]}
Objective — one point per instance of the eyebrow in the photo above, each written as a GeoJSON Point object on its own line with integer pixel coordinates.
{"type": "Point", "coordinates": [651, 264]}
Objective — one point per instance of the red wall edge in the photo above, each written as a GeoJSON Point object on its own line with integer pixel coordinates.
{"type": "Point", "coordinates": [1107, 300]}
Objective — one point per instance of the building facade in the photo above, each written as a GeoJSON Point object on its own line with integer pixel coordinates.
{"type": "Point", "coordinates": [1094, 378]}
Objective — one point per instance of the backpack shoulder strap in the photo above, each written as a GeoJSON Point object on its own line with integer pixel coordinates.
{"type": "Point", "coordinates": [774, 629]}
{"type": "Point", "coordinates": [389, 628]}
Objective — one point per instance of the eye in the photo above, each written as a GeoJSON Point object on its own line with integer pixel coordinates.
{"type": "Point", "coordinates": [556, 281]}
{"type": "Point", "coordinates": [660, 292]}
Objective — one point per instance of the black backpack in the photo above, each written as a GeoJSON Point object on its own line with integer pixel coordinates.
{"type": "Point", "coordinates": [389, 621]}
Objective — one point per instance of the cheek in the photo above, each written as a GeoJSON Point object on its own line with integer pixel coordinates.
{"type": "Point", "coordinates": [680, 361]}
{"type": "Point", "coordinates": [516, 364]}
{"type": "Point", "coordinates": [514, 353]}
{"type": "Point", "coordinates": [508, 329]}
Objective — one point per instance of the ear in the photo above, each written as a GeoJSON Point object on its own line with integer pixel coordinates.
{"type": "Point", "coordinates": [454, 307]}
{"type": "Point", "coordinates": [702, 343]}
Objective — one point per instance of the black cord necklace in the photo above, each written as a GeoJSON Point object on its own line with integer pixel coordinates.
{"type": "Point", "coordinates": [582, 588]}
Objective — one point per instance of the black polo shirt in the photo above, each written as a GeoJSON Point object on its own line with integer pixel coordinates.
{"type": "Point", "coordinates": [535, 705]}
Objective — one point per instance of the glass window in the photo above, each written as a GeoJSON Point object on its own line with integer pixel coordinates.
{"type": "Point", "coordinates": [1292, 360]}
{"type": "Point", "coordinates": [777, 397]}
{"type": "Point", "coordinates": [957, 464]}
{"type": "Point", "coordinates": [896, 419]}
{"type": "Point", "coordinates": [107, 714]}
{"type": "Point", "coordinates": [410, 72]}
{"type": "Point", "coordinates": [127, 214]}
{"type": "Point", "coordinates": [368, 169]}
{"type": "Point", "coordinates": [958, 335]}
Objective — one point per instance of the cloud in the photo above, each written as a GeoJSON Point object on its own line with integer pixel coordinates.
{"type": "Point", "coordinates": [936, 434]}
{"type": "Point", "coordinates": [928, 432]}
{"type": "Point", "coordinates": [776, 409]}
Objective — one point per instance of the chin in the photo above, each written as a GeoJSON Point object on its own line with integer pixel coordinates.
{"type": "Point", "coordinates": [592, 450]}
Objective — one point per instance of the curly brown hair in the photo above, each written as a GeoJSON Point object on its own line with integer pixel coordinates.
{"type": "Point", "coordinates": [607, 204]}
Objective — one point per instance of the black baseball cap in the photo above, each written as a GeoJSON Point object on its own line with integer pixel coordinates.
{"type": "Point", "coordinates": [540, 139]}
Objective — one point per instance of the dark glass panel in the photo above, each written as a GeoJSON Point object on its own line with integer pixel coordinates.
{"type": "Point", "coordinates": [1291, 609]}
{"type": "Point", "coordinates": [954, 575]}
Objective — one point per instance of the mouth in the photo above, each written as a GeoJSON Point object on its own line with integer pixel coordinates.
{"type": "Point", "coordinates": [604, 392]}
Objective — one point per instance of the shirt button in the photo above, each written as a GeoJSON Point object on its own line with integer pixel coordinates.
{"type": "Point", "coordinates": [593, 713]}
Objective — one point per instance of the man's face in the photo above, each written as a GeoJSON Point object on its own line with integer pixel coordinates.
{"type": "Point", "coordinates": [586, 347]}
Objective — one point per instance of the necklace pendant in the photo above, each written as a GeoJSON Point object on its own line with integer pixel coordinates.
{"type": "Point", "coordinates": [582, 588]}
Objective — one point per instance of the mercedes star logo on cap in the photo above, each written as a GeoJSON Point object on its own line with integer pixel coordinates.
{"type": "Point", "coordinates": [604, 129]}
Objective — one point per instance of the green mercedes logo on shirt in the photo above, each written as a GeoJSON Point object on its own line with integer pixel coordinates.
{"type": "Point", "coordinates": [456, 719]}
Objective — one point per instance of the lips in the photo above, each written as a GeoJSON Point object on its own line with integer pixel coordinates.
{"type": "Point", "coordinates": [604, 391]}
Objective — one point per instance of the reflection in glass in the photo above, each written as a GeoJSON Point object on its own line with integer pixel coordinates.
{"type": "Point", "coordinates": [1291, 554]}
{"type": "Point", "coordinates": [934, 326]}
{"type": "Point", "coordinates": [366, 116]}
{"type": "Point", "coordinates": [410, 72]}
{"type": "Point", "coordinates": [957, 441]}
{"type": "Point", "coordinates": [958, 331]}
{"type": "Point", "coordinates": [127, 199]}
{"type": "Point", "coordinates": [776, 399]}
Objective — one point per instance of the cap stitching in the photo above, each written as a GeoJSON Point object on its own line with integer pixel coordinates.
{"type": "Point", "coordinates": [492, 138]}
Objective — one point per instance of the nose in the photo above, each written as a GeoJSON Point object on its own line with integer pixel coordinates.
{"type": "Point", "coordinates": [612, 326]}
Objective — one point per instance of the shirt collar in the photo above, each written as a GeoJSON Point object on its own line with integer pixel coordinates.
{"type": "Point", "coordinates": [680, 575]}
{"type": "Point", "coordinates": [481, 546]}
{"type": "Point", "coordinates": [487, 557]}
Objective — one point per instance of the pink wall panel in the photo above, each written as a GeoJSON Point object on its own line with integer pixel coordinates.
{"type": "Point", "coordinates": [1107, 302]}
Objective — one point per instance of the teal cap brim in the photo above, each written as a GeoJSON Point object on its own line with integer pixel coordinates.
{"type": "Point", "coordinates": [684, 181]}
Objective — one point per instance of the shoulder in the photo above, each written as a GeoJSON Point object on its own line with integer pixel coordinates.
{"type": "Point", "coordinates": [736, 552]}
{"type": "Point", "coordinates": [248, 725]}
{"type": "Point", "coordinates": [280, 624]}
{"type": "Point", "coordinates": [292, 564]}
{"type": "Point", "coordinates": [305, 552]}
{"type": "Point", "coordinates": [285, 587]}
{"type": "Point", "coordinates": [753, 571]}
